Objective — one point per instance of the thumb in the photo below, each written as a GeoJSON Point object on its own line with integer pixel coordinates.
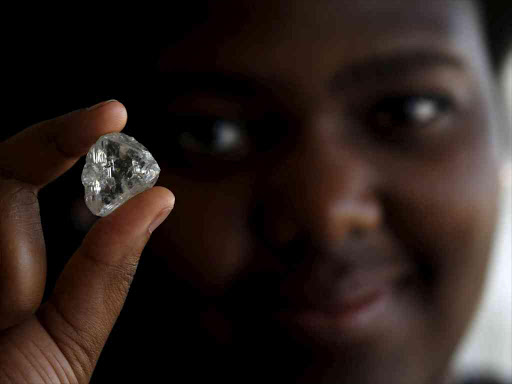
{"type": "Point", "coordinates": [91, 291]}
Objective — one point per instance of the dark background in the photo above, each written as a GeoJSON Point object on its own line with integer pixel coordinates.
{"type": "Point", "coordinates": [45, 78]}
{"type": "Point", "coordinates": [81, 63]}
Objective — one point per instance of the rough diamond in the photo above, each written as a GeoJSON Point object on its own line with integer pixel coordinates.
{"type": "Point", "coordinates": [117, 168]}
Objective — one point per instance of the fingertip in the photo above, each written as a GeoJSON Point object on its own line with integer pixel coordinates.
{"type": "Point", "coordinates": [81, 129]}
{"type": "Point", "coordinates": [159, 219]}
{"type": "Point", "coordinates": [167, 197]}
{"type": "Point", "coordinates": [132, 218]}
{"type": "Point", "coordinates": [109, 117]}
{"type": "Point", "coordinates": [100, 104]}
{"type": "Point", "coordinates": [166, 200]}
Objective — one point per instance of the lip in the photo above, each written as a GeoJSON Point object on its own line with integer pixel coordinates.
{"type": "Point", "coordinates": [359, 305]}
{"type": "Point", "coordinates": [348, 320]}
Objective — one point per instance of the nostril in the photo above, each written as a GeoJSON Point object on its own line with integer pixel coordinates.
{"type": "Point", "coordinates": [357, 232]}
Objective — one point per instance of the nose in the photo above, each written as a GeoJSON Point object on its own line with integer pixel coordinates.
{"type": "Point", "coordinates": [322, 189]}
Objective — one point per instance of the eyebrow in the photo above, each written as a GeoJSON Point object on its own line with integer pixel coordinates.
{"type": "Point", "coordinates": [392, 65]}
{"type": "Point", "coordinates": [236, 85]}
{"type": "Point", "coordinates": [224, 84]}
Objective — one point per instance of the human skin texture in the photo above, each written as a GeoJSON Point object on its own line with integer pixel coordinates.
{"type": "Point", "coordinates": [335, 166]}
{"type": "Point", "coordinates": [336, 178]}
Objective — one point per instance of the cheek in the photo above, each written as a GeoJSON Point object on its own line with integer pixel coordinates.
{"type": "Point", "coordinates": [446, 213]}
{"type": "Point", "coordinates": [203, 241]}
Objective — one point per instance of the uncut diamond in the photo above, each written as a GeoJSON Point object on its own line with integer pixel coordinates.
{"type": "Point", "coordinates": [116, 168]}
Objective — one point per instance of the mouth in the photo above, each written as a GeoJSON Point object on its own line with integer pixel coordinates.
{"type": "Point", "coordinates": [350, 320]}
{"type": "Point", "coordinates": [360, 305]}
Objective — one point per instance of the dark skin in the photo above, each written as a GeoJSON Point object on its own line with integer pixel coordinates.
{"type": "Point", "coordinates": [342, 236]}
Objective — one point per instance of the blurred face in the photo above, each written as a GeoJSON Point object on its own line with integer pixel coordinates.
{"type": "Point", "coordinates": [336, 180]}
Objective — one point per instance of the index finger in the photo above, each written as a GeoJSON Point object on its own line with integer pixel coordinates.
{"type": "Point", "coordinates": [44, 151]}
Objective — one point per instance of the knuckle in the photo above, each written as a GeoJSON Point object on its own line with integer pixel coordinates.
{"type": "Point", "coordinates": [78, 343]}
{"type": "Point", "coordinates": [120, 277]}
{"type": "Point", "coordinates": [118, 258]}
{"type": "Point", "coordinates": [116, 286]}
{"type": "Point", "coordinates": [117, 273]}
{"type": "Point", "coordinates": [17, 199]}
{"type": "Point", "coordinates": [16, 310]}
{"type": "Point", "coordinates": [120, 267]}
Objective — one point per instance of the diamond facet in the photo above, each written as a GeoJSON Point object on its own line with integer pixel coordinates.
{"type": "Point", "coordinates": [117, 168]}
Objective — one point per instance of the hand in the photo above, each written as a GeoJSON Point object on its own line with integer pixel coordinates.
{"type": "Point", "coordinates": [61, 340]}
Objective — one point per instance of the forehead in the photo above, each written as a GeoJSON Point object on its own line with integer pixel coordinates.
{"type": "Point", "coordinates": [304, 42]}
{"type": "Point", "coordinates": [322, 20]}
{"type": "Point", "coordinates": [354, 26]}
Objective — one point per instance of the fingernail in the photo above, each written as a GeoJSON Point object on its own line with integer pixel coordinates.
{"type": "Point", "coordinates": [96, 106]}
{"type": "Point", "coordinates": [159, 219]}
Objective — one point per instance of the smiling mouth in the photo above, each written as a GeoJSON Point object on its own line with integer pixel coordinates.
{"type": "Point", "coordinates": [351, 318]}
{"type": "Point", "coordinates": [359, 305]}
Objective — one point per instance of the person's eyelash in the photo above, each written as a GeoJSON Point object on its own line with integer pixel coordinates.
{"type": "Point", "coordinates": [406, 118]}
{"type": "Point", "coordinates": [408, 111]}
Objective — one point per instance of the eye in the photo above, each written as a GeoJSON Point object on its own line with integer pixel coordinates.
{"type": "Point", "coordinates": [406, 114]}
{"type": "Point", "coordinates": [211, 136]}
